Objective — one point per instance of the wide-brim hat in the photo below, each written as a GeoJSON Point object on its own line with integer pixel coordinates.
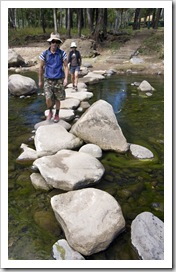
{"type": "Point", "coordinates": [54, 37]}
{"type": "Point", "coordinates": [73, 44]}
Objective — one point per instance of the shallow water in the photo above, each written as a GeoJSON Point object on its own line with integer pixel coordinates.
{"type": "Point", "coordinates": [138, 185]}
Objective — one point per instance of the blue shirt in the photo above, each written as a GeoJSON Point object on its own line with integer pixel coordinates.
{"type": "Point", "coordinates": [53, 63]}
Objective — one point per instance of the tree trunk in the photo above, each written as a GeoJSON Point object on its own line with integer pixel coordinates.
{"type": "Point", "coordinates": [69, 23]}
{"type": "Point", "coordinates": [136, 24]}
{"type": "Point", "coordinates": [60, 21]}
{"type": "Point", "coordinates": [153, 17]}
{"type": "Point", "coordinates": [155, 25]}
{"type": "Point", "coordinates": [90, 19]}
{"type": "Point", "coordinates": [99, 25]}
{"type": "Point", "coordinates": [55, 20]}
{"type": "Point", "coordinates": [105, 23]}
{"type": "Point", "coordinates": [79, 16]}
{"type": "Point", "coordinates": [12, 19]}
{"type": "Point", "coordinates": [43, 24]}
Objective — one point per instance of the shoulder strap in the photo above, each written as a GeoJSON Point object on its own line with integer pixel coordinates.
{"type": "Point", "coordinates": [46, 54]}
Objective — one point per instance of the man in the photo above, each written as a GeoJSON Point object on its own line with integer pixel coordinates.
{"type": "Point", "coordinates": [52, 62]}
{"type": "Point", "coordinates": [74, 58]}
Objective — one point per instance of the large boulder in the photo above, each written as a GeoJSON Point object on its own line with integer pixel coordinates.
{"type": "Point", "coordinates": [147, 236]}
{"type": "Point", "coordinates": [20, 85]}
{"type": "Point", "coordinates": [90, 218]}
{"type": "Point", "coordinates": [86, 47]}
{"type": "Point", "coordinates": [69, 170]}
{"type": "Point", "coordinates": [51, 138]}
{"type": "Point", "coordinates": [98, 125]}
{"type": "Point", "coordinates": [14, 59]}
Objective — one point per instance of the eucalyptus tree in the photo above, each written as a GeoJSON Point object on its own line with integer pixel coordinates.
{"type": "Point", "coordinates": [12, 18]}
{"type": "Point", "coordinates": [55, 20]}
{"type": "Point", "coordinates": [136, 24]}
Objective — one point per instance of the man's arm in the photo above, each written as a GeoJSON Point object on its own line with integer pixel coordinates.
{"type": "Point", "coordinates": [40, 76]}
{"type": "Point", "coordinates": [66, 72]}
{"type": "Point", "coordinates": [80, 59]}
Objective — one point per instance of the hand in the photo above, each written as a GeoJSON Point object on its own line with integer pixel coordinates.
{"type": "Point", "coordinates": [40, 84]}
{"type": "Point", "coordinates": [65, 82]}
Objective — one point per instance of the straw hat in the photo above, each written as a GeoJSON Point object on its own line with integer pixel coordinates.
{"type": "Point", "coordinates": [54, 37]}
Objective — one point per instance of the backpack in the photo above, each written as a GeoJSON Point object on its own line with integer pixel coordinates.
{"type": "Point", "coordinates": [45, 54]}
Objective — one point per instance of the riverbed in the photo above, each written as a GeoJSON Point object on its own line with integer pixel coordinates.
{"type": "Point", "coordinates": [137, 185]}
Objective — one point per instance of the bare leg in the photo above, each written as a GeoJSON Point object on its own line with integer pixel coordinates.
{"type": "Point", "coordinates": [56, 118]}
{"type": "Point", "coordinates": [49, 103]}
{"type": "Point", "coordinates": [76, 78]}
{"type": "Point", "coordinates": [73, 79]}
{"type": "Point", "coordinates": [57, 105]}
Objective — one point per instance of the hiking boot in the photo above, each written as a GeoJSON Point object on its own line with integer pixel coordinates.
{"type": "Point", "coordinates": [50, 114]}
{"type": "Point", "coordinates": [56, 118]}
{"type": "Point", "coordinates": [76, 88]}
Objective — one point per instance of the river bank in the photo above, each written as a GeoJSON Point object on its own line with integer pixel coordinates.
{"type": "Point", "coordinates": [137, 55]}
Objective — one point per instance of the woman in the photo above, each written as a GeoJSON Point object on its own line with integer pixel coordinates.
{"type": "Point", "coordinates": [74, 58]}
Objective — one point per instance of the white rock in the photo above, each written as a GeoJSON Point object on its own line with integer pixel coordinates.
{"type": "Point", "coordinates": [92, 149]}
{"type": "Point", "coordinates": [90, 218]}
{"type": "Point", "coordinates": [39, 183]}
{"type": "Point", "coordinates": [145, 86]}
{"type": "Point", "coordinates": [20, 85]}
{"type": "Point", "coordinates": [28, 154]}
{"type": "Point", "coordinates": [70, 103]}
{"type": "Point", "coordinates": [147, 236]}
{"type": "Point", "coordinates": [94, 75]}
{"type": "Point", "coordinates": [69, 170]}
{"type": "Point", "coordinates": [64, 114]}
{"type": "Point", "coordinates": [61, 122]}
{"type": "Point", "coordinates": [62, 251]}
{"type": "Point", "coordinates": [80, 95]}
{"type": "Point", "coordinates": [98, 125]}
{"type": "Point", "coordinates": [50, 139]}
{"type": "Point", "coordinates": [140, 152]}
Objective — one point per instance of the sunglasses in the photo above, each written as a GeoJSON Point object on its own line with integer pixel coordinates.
{"type": "Point", "coordinates": [55, 41]}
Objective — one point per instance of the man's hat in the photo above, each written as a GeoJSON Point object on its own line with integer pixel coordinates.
{"type": "Point", "coordinates": [54, 37]}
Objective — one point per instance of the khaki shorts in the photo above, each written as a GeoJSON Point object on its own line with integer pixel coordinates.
{"type": "Point", "coordinates": [54, 89]}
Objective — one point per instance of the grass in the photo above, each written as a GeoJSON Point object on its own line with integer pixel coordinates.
{"type": "Point", "coordinates": [154, 44]}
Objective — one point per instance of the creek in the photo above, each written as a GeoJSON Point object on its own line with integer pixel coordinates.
{"type": "Point", "coordinates": [137, 185]}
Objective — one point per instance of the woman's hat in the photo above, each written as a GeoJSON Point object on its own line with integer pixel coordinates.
{"type": "Point", "coordinates": [54, 37]}
{"type": "Point", "coordinates": [73, 44]}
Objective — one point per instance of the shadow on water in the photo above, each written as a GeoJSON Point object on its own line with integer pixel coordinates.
{"type": "Point", "coordinates": [137, 185]}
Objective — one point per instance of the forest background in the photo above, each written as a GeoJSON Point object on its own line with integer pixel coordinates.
{"type": "Point", "coordinates": [94, 23]}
